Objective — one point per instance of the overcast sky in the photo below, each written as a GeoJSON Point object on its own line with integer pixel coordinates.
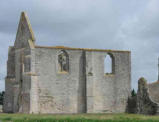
{"type": "Point", "coordinates": [106, 24]}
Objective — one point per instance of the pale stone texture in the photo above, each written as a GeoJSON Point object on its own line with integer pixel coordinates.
{"type": "Point", "coordinates": [1, 109]}
{"type": "Point", "coordinates": [34, 83]}
{"type": "Point", "coordinates": [147, 97]}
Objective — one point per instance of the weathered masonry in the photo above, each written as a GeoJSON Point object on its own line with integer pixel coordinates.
{"type": "Point", "coordinates": [147, 97]}
{"type": "Point", "coordinates": [62, 79]}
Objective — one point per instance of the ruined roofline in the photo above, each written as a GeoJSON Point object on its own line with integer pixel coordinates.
{"type": "Point", "coordinates": [153, 82]}
{"type": "Point", "coordinates": [85, 49]}
{"type": "Point", "coordinates": [145, 81]}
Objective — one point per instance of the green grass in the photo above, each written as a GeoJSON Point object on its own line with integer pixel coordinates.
{"type": "Point", "coordinates": [77, 118]}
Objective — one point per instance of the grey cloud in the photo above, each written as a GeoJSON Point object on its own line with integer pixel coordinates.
{"type": "Point", "coordinates": [142, 33]}
{"type": "Point", "coordinates": [108, 24]}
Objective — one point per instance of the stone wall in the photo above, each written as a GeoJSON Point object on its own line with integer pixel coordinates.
{"type": "Point", "coordinates": [145, 105]}
{"type": "Point", "coordinates": [85, 88]}
{"type": "Point", "coordinates": [9, 82]}
{"type": "Point", "coordinates": [60, 92]}
{"type": "Point", "coordinates": [107, 92]}
{"type": "Point", "coordinates": [1, 109]}
{"type": "Point", "coordinates": [17, 83]}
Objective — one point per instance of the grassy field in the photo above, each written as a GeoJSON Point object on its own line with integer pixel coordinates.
{"type": "Point", "coordinates": [78, 118]}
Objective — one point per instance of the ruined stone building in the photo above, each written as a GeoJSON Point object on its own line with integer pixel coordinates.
{"type": "Point", "coordinates": [147, 97]}
{"type": "Point", "coordinates": [60, 79]}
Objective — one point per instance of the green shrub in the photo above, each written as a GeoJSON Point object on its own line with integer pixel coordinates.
{"type": "Point", "coordinates": [1, 97]}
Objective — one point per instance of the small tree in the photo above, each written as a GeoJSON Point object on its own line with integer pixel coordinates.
{"type": "Point", "coordinates": [133, 93]}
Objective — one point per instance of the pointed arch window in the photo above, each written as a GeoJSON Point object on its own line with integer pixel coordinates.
{"type": "Point", "coordinates": [109, 64]}
{"type": "Point", "coordinates": [63, 61]}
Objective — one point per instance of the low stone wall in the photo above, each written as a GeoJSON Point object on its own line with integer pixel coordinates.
{"type": "Point", "coordinates": [1, 109]}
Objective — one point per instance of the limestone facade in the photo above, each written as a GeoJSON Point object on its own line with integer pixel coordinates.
{"type": "Point", "coordinates": [63, 79]}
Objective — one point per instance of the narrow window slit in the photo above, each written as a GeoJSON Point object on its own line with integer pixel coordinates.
{"type": "Point", "coordinates": [109, 64]}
